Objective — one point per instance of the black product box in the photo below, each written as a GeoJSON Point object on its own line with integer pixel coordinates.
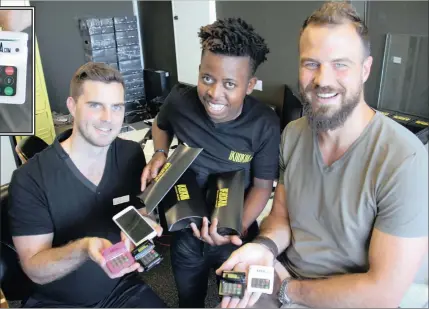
{"type": "Point", "coordinates": [101, 55]}
{"type": "Point", "coordinates": [129, 52]}
{"type": "Point", "coordinates": [124, 19]}
{"type": "Point", "coordinates": [134, 84]}
{"type": "Point", "coordinates": [91, 26]}
{"type": "Point", "coordinates": [126, 38]}
{"type": "Point", "coordinates": [99, 41]}
{"type": "Point", "coordinates": [125, 27]}
{"type": "Point", "coordinates": [419, 126]}
{"type": "Point", "coordinates": [133, 94]}
{"type": "Point", "coordinates": [130, 66]}
{"type": "Point", "coordinates": [129, 78]}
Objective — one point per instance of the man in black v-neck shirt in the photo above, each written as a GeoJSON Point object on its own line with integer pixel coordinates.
{"type": "Point", "coordinates": [236, 131]}
{"type": "Point", "coordinates": [63, 199]}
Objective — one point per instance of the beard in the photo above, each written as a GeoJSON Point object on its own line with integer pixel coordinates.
{"type": "Point", "coordinates": [321, 120]}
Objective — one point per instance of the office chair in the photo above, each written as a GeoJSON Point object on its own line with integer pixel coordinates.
{"type": "Point", "coordinates": [292, 108]}
{"type": "Point", "coordinates": [28, 147]}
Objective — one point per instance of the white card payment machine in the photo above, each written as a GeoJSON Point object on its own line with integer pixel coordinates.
{"type": "Point", "coordinates": [13, 67]}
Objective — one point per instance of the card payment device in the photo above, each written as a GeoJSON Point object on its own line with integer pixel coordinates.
{"type": "Point", "coordinates": [13, 67]}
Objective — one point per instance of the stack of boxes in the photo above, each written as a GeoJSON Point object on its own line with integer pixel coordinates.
{"type": "Point", "coordinates": [129, 62]}
{"type": "Point", "coordinates": [115, 41]}
{"type": "Point", "coordinates": [99, 41]}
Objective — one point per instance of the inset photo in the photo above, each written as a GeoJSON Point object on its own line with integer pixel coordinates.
{"type": "Point", "coordinates": [17, 70]}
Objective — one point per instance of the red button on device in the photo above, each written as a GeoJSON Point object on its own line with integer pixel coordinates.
{"type": "Point", "coordinates": [9, 70]}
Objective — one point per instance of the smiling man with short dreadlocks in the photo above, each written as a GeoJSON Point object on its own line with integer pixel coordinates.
{"type": "Point", "coordinates": [236, 132]}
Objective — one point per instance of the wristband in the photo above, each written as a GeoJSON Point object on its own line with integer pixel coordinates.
{"type": "Point", "coordinates": [161, 150]}
{"type": "Point", "coordinates": [268, 243]}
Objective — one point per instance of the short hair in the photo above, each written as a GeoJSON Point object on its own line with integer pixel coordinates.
{"type": "Point", "coordinates": [335, 13]}
{"type": "Point", "coordinates": [93, 71]}
{"type": "Point", "coordinates": [234, 37]}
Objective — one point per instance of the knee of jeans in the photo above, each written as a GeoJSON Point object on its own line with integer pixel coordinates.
{"type": "Point", "coordinates": [185, 248]}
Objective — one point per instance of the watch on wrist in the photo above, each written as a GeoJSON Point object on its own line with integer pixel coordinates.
{"type": "Point", "coordinates": [283, 298]}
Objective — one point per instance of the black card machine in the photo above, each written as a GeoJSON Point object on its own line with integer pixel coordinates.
{"type": "Point", "coordinates": [232, 284]}
{"type": "Point", "coordinates": [146, 255]}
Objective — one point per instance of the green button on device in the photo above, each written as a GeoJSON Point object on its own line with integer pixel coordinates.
{"type": "Point", "coordinates": [8, 91]}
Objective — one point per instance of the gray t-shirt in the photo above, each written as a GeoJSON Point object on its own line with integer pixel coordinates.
{"type": "Point", "coordinates": [380, 182]}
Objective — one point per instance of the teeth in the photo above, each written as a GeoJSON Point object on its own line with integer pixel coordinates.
{"type": "Point", "coordinates": [103, 129]}
{"type": "Point", "coordinates": [216, 107]}
{"type": "Point", "coordinates": [326, 95]}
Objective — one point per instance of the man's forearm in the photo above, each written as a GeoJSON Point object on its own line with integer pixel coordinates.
{"type": "Point", "coordinates": [54, 263]}
{"type": "Point", "coordinates": [275, 228]}
{"type": "Point", "coordinates": [343, 291]}
{"type": "Point", "coordinates": [276, 225]}
{"type": "Point", "coordinates": [161, 138]}
{"type": "Point", "coordinates": [254, 204]}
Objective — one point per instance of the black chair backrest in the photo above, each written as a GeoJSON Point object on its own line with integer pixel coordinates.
{"type": "Point", "coordinates": [28, 147]}
{"type": "Point", "coordinates": [13, 281]}
{"type": "Point", "coordinates": [292, 108]}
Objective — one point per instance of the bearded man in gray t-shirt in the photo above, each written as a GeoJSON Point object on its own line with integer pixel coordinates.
{"type": "Point", "coordinates": [350, 212]}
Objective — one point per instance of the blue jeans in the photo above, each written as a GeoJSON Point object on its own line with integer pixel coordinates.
{"type": "Point", "coordinates": [191, 260]}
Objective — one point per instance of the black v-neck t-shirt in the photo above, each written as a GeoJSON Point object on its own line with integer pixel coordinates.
{"type": "Point", "coordinates": [49, 194]}
{"type": "Point", "coordinates": [250, 142]}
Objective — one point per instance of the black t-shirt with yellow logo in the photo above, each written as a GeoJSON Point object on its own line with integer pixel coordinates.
{"type": "Point", "coordinates": [251, 141]}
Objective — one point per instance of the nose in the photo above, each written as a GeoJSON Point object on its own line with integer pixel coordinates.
{"type": "Point", "coordinates": [106, 115]}
{"type": "Point", "coordinates": [215, 91]}
{"type": "Point", "coordinates": [324, 76]}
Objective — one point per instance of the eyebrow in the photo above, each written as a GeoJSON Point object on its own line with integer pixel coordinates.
{"type": "Point", "coordinates": [224, 79]}
{"type": "Point", "coordinates": [343, 60]}
{"type": "Point", "coordinates": [95, 102]}
{"type": "Point", "coordinates": [334, 60]}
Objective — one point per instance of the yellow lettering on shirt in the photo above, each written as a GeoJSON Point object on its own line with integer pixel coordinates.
{"type": "Point", "coordinates": [240, 157]}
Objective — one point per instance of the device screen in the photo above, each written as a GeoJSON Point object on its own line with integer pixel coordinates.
{"type": "Point", "coordinates": [134, 225]}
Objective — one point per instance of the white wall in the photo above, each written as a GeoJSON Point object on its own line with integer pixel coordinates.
{"type": "Point", "coordinates": [191, 15]}
{"type": "Point", "coordinates": [8, 164]}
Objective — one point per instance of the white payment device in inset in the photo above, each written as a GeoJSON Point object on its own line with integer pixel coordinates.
{"type": "Point", "coordinates": [13, 67]}
{"type": "Point", "coordinates": [260, 279]}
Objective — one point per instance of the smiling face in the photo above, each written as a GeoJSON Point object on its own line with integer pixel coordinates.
{"type": "Point", "coordinates": [332, 72]}
{"type": "Point", "coordinates": [223, 83]}
{"type": "Point", "coordinates": [98, 112]}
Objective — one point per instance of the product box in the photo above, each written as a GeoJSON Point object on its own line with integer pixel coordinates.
{"type": "Point", "coordinates": [99, 41]}
{"type": "Point", "coordinates": [107, 55]}
{"type": "Point", "coordinates": [128, 52]}
{"type": "Point", "coordinates": [90, 26]}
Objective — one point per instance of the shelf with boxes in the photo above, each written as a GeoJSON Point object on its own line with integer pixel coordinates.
{"type": "Point", "coordinates": [115, 41]}
{"type": "Point", "coordinates": [129, 61]}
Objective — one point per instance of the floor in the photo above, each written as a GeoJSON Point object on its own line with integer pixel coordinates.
{"type": "Point", "coordinates": [161, 280]}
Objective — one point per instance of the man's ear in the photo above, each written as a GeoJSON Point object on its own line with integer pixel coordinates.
{"type": "Point", "coordinates": [251, 85]}
{"type": "Point", "coordinates": [366, 68]}
{"type": "Point", "coordinates": [71, 105]}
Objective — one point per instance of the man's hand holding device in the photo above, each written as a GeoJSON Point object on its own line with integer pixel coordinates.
{"type": "Point", "coordinates": [241, 260]}
{"type": "Point", "coordinates": [140, 230]}
{"type": "Point", "coordinates": [98, 246]}
{"type": "Point", "coordinates": [152, 168]}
